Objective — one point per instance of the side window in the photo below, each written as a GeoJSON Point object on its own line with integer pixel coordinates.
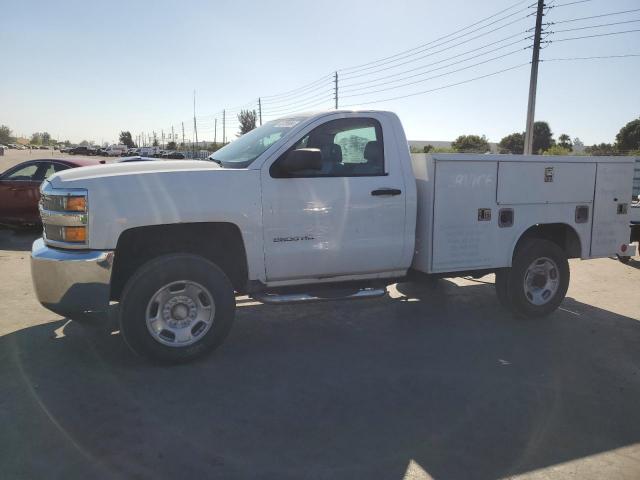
{"type": "Point", "coordinates": [25, 173]}
{"type": "Point", "coordinates": [59, 167]}
{"type": "Point", "coordinates": [54, 168]}
{"type": "Point", "coordinates": [349, 147]}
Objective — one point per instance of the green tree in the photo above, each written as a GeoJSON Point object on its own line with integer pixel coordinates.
{"type": "Point", "coordinates": [513, 143]}
{"type": "Point", "coordinates": [557, 150]}
{"type": "Point", "coordinates": [85, 143]}
{"type": "Point", "coordinates": [471, 144]}
{"type": "Point", "coordinates": [247, 119]}
{"type": "Point", "coordinates": [5, 135]}
{"type": "Point", "coordinates": [542, 137]}
{"type": "Point", "coordinates": [171, 146]}
{"type": "Point", "coordinates": [564, 141]}
{"type": "Point", "coordinates": [125, 139]}
{"type": "Point", "coordinates": [36, 139]}
{"type": "Point", "coordinates": [628, 138]}
{"type": "Point", "coordinates": [427, 148]}
{"type": "Point", "coordinates": [155, 142]}
{"type": "Point", "coordinates": [603, 149]}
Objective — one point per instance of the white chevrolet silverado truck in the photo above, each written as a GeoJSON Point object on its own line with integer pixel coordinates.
{"type": "Point", "coordinates": [313, 207]}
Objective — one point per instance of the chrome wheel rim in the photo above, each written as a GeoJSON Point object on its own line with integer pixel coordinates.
{"type": "Point", "coordinates": [541, 281]}
{"type": "Point", "coordinates": [180, 313]}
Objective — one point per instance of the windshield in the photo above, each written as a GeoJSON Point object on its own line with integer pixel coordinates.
{"type": "Point", "coordinates": [241, 152]}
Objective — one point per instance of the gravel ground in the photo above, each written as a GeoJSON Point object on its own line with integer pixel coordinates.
{"type": "Point", "coordinates": [434, 381]}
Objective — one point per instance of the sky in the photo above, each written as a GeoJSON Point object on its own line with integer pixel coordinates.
{"type": "Point", "coordinates": [87, 70]}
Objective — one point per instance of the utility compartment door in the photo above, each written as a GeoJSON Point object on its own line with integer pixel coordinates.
{"type": "Point", "coordinates": [545, 182]}
{"type": "Point", "coordinates": [461, 238]}
{"type": "Point", "coordinates": [610, 218]}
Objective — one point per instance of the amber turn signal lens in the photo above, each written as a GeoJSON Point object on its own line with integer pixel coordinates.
{"type": "Point", "coordinates": [75, 234]}
{"type": "Point", "coordinates": [76, 204]}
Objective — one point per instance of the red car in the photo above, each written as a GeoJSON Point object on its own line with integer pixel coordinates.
{"type": "Point", "coordinates": [20, 188]}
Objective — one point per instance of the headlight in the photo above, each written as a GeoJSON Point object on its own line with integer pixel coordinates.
{"type": "Point", "coordinates": [64, 216]}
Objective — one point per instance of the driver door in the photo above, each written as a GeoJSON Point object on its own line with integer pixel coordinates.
{"type": "Point", "coordinates": [344, 219]}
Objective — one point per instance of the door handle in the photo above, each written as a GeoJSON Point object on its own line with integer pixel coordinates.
{"type": "Point", "coordinates": [386, 191]}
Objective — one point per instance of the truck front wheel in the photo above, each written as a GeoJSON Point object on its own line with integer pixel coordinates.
{"type": "Point", "coordinates": [176, 307]}
{"type": "Point", "coordinates": [538, 280]}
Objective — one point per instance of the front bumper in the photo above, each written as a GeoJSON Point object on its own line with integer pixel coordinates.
{"type": "Point", "coordinates": [69, 282]}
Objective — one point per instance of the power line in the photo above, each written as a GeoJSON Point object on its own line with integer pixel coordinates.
{"type": "Point", "coordinates": [302, 100]}
{"type": "Point", "coordinates": [287, 93]}
{"type": "Point", "coordinates": [591, 36]}
{"type": "Point", "coordinates": [444, 59]}
{"type": "Point", "coordinates": [440, 38]}
{"type": "Point", "coordinates": [596, 26]}
{"type": "Point", "coordinates": [298, 107]}
{"type": "Point", "coordinates": [299, 96]}
{"type": "Point", "coordinates": [593, 16]}
{"type": "Point", "coordinates": [442, 87]}
{"type": "Point", "coordinates": [280, 114]}
{"type": "Point", "coordinates": [435, 76]}
{"type": "Point", "coordinates": [569, 3]}
{"type": "Point", "coordinates": [350, 76]}
{"type": "Point", "coordinates": [596, 57]}
{"type": "Point", "coordinates": [348, 89]}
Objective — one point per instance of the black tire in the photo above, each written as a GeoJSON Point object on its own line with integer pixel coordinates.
{"type": "Point", "coordinates": [510, 283]}
{"type": "Point", "coordinates": [153, 276]}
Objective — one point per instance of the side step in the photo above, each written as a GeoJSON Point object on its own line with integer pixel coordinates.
{"type": "Point", "coordinates": [318, 296]}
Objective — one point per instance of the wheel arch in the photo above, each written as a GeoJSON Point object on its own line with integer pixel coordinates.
{"type": "Point", "coordinates": [220, 242]}
{"type": "Point", "coordinates": [562, 234]}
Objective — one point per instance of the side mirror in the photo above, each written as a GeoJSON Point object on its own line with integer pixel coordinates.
{"type": "Point", "coordinates": [301, 159]}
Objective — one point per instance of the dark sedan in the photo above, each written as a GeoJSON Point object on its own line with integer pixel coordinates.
{"type": "Point", "coordinates": [20, 188]}
{"type": "Point", "coordinates": [82, 151]}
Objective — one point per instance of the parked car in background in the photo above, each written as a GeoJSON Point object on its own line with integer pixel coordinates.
{"type": "Point", "coordinates": [80, 151]}
{"type": "Point", "coordinates": [148, 151]}
{"type": "Point", "coordinates": [20, 188]}
{"type": "Point", "coordinates": [173, 155]}
{"type": "Point", "coordinates": [115, 150]}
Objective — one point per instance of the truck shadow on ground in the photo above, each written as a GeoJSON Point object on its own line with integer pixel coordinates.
{"type": "Point", "coordinates": [437, 379]}
{"type": "Point", "coordinates": [18, 239]}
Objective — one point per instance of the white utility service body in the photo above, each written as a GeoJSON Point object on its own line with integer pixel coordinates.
{"type": "Point", "coordinates": [332, 198]}
{"type": "Point", "coordinates": [532, 189]}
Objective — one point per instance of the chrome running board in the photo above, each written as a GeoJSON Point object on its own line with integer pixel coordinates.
{"type": "Point", "coordinates": [324, 296]}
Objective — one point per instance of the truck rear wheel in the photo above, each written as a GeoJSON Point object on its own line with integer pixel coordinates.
{"type": "Point", "coordinates": [538, 280]}
{"type": "Point", "coordinates": [176, 307]}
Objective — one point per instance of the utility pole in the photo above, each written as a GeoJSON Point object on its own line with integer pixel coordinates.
{"type": "Point", "coordinates": [260, 110]}
{"type": "Point", "coordinates": [195, 127]}
{"type": "Point", "coordinates": [162, 132]}
{"type": "Point", "coordinates": [173, 135]}
{"type": "Point", "coordinates": [183, 145]}
{"type": "Point", "coordinates": [224, 126]}
{"type": "Point", "coordinates": [533, 82]}
{"type": "Point", "coordinates": [215, 132]}
{"type": "Point", "coordinates": [335, 91]}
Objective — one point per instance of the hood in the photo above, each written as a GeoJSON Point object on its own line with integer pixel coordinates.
{"type": "Point", "coordinates": [130, 168]}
